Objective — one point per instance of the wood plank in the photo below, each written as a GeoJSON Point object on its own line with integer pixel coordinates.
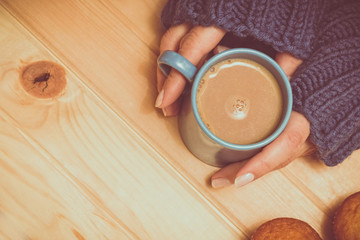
{"type": "Point", "coordinates": [111, 46]}
{"type": "Point", "coordinates": [73, 169]}
{"type": "Point", "coordinates": [41, 200]}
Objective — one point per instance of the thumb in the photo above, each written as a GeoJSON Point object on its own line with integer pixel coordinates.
{"type": "Point", "coordinates": [279, 153]}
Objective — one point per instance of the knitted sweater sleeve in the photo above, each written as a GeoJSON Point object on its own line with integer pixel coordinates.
{"type": "Point", "coordinates": [325, 34]}
{"type": "Point", "coordinates": [326, 87]}
{"type": "Point", "coordinates": [288, 26]}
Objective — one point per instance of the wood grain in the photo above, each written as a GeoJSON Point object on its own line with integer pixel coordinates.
{"type": "Point", "coordinates": [72, 169]}
{"type": "Point", "coordinates": [109, 49]}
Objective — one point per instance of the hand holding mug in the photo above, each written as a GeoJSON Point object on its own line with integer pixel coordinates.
{"type": "Point", "coordinates": [290, 144]}
{"type": "Point", "coordinates": [194, 43]}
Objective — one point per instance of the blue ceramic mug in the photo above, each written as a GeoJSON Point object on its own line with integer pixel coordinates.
{"type": "Point", "coordinates": [204, 144]}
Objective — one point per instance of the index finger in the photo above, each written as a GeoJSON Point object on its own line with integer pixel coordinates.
{"type": "Point", "coordinates": [197, 43]}
{"type": "Point", "coordinates": [170, 41]}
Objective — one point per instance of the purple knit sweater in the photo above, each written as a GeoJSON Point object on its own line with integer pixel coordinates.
{"type": "Point", "coordinates": [324, 33]}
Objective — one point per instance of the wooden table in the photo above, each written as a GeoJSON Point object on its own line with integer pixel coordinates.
{"type": "Point", "coordinates": [100, 162]}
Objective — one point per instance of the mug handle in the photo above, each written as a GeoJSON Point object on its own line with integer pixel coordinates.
{"type": "Point", "coordinates": [170, 59]}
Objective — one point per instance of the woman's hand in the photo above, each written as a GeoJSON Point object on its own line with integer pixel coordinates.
{"type": "Point", "coordinates": [291, 144]}
{"type": "Point", "coordinates": [194, 43]}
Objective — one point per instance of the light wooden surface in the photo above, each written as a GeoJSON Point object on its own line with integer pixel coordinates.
{"type": "Point", "coordinates": [100, 162]}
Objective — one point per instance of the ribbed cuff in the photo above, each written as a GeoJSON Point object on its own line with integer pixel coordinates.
{"type": "Point", "coordinates": [326, 87]}
{"type": "Point", "coordinates": [326, 91]}
{"type": "Point", "coordinates": [288, 26]}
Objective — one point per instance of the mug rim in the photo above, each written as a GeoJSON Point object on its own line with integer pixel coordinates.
{"type": "Point", "coordinates": [211, 135]}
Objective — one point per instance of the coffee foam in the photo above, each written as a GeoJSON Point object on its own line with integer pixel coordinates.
{"type": "Point", "coordinates": [237, 107]}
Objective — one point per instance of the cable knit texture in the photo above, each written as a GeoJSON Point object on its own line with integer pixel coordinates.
{"type": "Point", "coordinates": [287, 25]}
{"type": "Point", "coordinates": [326, 87]}
{"type": "Point", "coordinates": [324, 33]}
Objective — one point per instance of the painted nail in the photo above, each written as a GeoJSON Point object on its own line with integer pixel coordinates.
{"type": "Point", "coordinates": [221, 48]}
{"type": "Point", "coordinates": [244, 179]}
{"type": "Point", "coordinates": [220, 182]}
{"type": "Point", "coordinates": [159, 98]}
{"type": "Point", "coordinates": [164, 112]}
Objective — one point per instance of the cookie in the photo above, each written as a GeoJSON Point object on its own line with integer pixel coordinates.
{"type": "Point", "coordinates": [285, 228]}
{"type": "Point", "coordinates": [346, 223]}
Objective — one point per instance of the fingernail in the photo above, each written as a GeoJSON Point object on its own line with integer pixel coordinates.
{"type": "Point", "coordinates": [244, 179]}
{"type": "Point", "coordinates": [220, 182]}
{"type": "Point", "coordinates": [164, 112]}
{"type": "Point", "coordinates": [220, 49]}
{"type": "Point", "coordinates": [159, 99]}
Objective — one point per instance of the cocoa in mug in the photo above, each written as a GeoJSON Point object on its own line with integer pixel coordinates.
{"type": "Point", "coordinates": [239, 101]}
